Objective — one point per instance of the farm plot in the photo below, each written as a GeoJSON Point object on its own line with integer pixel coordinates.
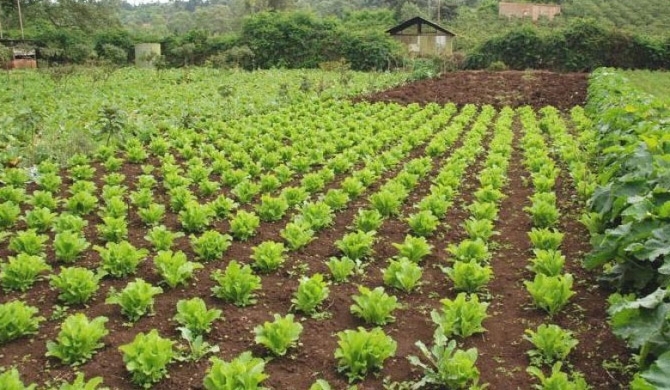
{"type": "Point", "coordinates": [320, 242]}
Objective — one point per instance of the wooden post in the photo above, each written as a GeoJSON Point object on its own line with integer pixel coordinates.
{"type": "Point", "coordinates": [18, 6]}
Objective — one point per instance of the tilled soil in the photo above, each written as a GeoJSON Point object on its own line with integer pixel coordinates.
{"type": "Point", "coordinates": [507, 88]}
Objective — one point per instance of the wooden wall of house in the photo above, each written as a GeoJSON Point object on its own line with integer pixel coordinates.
{"type": "Point", "coordinates": [427, 45]}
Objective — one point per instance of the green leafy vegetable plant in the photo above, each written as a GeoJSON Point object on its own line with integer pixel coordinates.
{"type": "Point", "coordinates": [244, 224]}
{"type": "Point", "coordinates": [268, 256]}
{"type": "Point", "coordinates": [174, 268]}
{"type": "Point", "coordinates": [152, 214]}
{"type": "Point", "coordinates": [194, 316]}
{"type": "Point", "coordinates": [413, 248]}
{"type": "Point", "coordinates": [68, 246]}
{"type": "Point", "coordinates": [356, 245]}
{"type": "Point", "coordinates": [76, 285]}
{"type": "Point", "coordinates": [20, 272]}
{"type": "Point", "coordinates": [552, 344]}
{"type": "Point", "coordinates": [80, 383]}
{"type": "Point", "coordinates": [28, 242]}
{"type": "Point", "coordinates": [545, 238]}
{"type": "Point", "coordinates": [479, 229]}
{"type": "Point", "coordinates": [336, 199]}
{"type": "Point", "coordinates": [272, 208]}
{"type": "Point", "coordinates": [558, 379]}
{"type": "Point", "coordinates": [78, 339]}
{"type": "Point", "coordinates": [469, 276]}
{"type": "Point", "coordinates": [162, 238]}
{"type": "Point", "coordinates": [312, 291]}
{"type": "Point", "coordinates": [120, 259]}
{"type": "Point", "coordinates": [195, 217]}
{"type": "Point", "coordinates": [548, 262]}
{"type": "Point", "coordinates": [17, 319]}
{"type": "Point", "coordinates": [69, 222]}
{"type": "Point", "coordinates": [81, 203]}
{"type": "Point", "coordinates": [341, 268]}
{"type": "Point", "coordinates": [297, 234]}
{"type": "Point", "coordinates": [550, 293]}
{"type": "Point", "coordinates": [368, 220]}
{"type": "Point", "coordinates": [11, 380]}
{"type": "Point", "coordinates": [462, 316]}
{"type": "Point", "coordinates": [39, 219]}
{"type": "Point", "coordinates": [402, 274]}
{"type": "Point", "coordinates": [243, 372]}
{"type": "Point", "coordinates": [360, 351]}
{"type": "Point", "coordinates": [280, 335]}
{"type": "Point", "coordinates": [113, 229]}
{"type": "Point", "coordinates": [211, 245]}
{"type": "Point", "coordinates": [318, 215]}
{"type": "Point", "coordinates": [237, 284]}
{"type": "Point", "coordinates": [437, 204]}
{"type": "Point", "coordinates": [136, 299]}
{"type": "Point", "coordinates": [374, 306]}
{"type": "Point", "coordinates": [470, 250]}
{"type": "Point", "coordinates": [147, 357]}
{"type": "Point", "coordinates": [42, 199]}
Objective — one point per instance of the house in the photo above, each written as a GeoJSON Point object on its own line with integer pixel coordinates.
{"type": "Point", "coordinates": [23, 54]}
{"type": "Point", "coordinates": [423, 37]}
{"type": "Point", "coordinates": [529, 10]}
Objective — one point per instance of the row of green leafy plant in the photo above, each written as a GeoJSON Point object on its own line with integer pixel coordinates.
{"type": "Point", "coordinates": [629, 217]}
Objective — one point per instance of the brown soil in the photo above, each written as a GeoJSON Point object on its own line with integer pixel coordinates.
{"type": "Point", "coordinates": [508, 88]}
{"type": "Point", "coordinates": [502, 360]}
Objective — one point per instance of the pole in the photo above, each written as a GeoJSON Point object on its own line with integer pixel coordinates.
{"type": "Point", "coordinates": [18, 6]}
{"type": "Point", "coordinates": [438, 11]}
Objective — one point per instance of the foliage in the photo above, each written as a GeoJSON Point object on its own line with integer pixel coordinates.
{"type": "Point", "coordinates": [113, 229]}
{"type": "Point", "coordinates": [120, 259]}
{"type": "Point", "coordinates": [244, 224]}
{"type": "Point", "coordinates": [162, 238]}
{"type": "Point", "coordinates": [558, 379]}
{"type": "Point", "coordinates": [368, 220]}
{"type": "Point", "coordinates": [545, 239]}
{"type": "Point", "coordinates": [194, 316]}
{"type": "Point", "coordinates": [550, 293]}
{"type": "Point", "coordinates": [80, 383]}
{"type": "Point", "coordinates": [268, 255]}
{"type": "Point", "coordinates": [297, 234]}
{"type": "Point", "coordinates": [271, 208]}
{"type": "Point", "coordinates": [243, 372]}
{"type": "Point", "coordinates": [312, 291]}
{"type": "Point", "coordinates": [136, 299]}
{"type": "Point", "coordinates": [470, 251]}
{"type": "Point", "coordinates": [147, 357]}
{"type": "Point", "coordinates": [280, 335]}
{"type": "Point", "coordinates": [374, 306]}
{"type": "Point", "coordinates": [551, 342]}
{"type": "Point", "coordinates": [547, 262]}
{"type": "Point", "coordinates": [28, 242]}
{"type": "Point", "coordinates": [195, 217]}
{"type": "Point", "coordinates": [341, 268]}
{"type": "Point", "coordinates": [76, 285]}
{"type": "Point", "coordinates": [423, 223]}
{"type": "Point", "coordinates": [211, 245]}
{"type": "Point", "coordinates": [12, 380]}
{"type": "Point", "coordinates": [413, 248]}
{"type": "Point", "coordinates": [78, 339]}
{"type": "Point", "coordinates": [174, 268]}
{"type": "Point", "coordinates": [17, 319]}
{"type": "Point", "coordinates": [462, 316]}
{"type": "Point", "coordinates": [469, 276]}
{"type": "Point", "coordinates": [318, 215]}
{"type": "Point", "coordinates": [237, 284]}
{"type": "Point", "coordinates": [357, 245]}
{"type": "Point", "coordinates": [20, 272]}
{"type": "Point", "coordinates": [361, 351]}
{"type": "Point", "coordinates": [68, 246]}
{"type": "Point", "coordinates": [402, 274]}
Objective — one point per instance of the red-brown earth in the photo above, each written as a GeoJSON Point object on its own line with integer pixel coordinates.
{"type": "Point", "coordinates": [502, 349]}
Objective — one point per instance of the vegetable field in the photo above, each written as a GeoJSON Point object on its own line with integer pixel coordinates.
{"type": "Point", "coordinates": [315, 244]}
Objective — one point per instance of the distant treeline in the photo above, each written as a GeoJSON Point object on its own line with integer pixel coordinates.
{"type": "Point", "coordinates": [583, 45]}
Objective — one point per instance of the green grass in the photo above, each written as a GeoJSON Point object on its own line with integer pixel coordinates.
{"type": "Point", "coordinates": [652, 82]}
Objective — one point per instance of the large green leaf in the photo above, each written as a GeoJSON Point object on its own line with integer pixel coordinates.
{"type": "Point", "coordinates": [659, 372]}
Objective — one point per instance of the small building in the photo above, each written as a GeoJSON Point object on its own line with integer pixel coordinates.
{"type": "Point", "coordinates": [24, 55]}
{"type": "Point", "coordinates": [529, 10]}
{"type": "Point", "coordinates": [423, 37]}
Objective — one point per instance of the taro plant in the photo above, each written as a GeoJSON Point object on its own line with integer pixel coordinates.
{"type": "Point", "coordinates": [68, 246]}
{"type": "Point", "coordinates": [402, 274]}
{"type": "Point", "coordinates": [423, 223]}
{"type": "Point", "coordinates": [357, 245]}
{"type": "Point", "coordinates": [194, 315]}
{"type": "Point", "coordinates": [280, 335]}
{"type": "Point", "coordinates": [17, 319]}
{"type": "Point", "coordinates": [374, 306]}
{"type": "Point", "coordinates": [120, 259]}
{"type": "Point", "coordinates": [462, 316]}
{"type": "Point", "coordinates": [136, 299]}
{"type": "Point", "coordinates": [21, 272]}
{"type": "Point", "coordinates": [552, 344]}
{"type": "Point", "coordinates": [297, 234]}
{"type": "Point", "coordinates": [237, 284]}
{"type": "Point", "coordinates": [174, 268]}
{"type": "Point", "coordinates": [312, 291]}
{"type": "Point", "coordinates": [211, 245]}
{"type": "Point", "coordinates": [78, 339]}
{"type": "Point", "coordinates": [341, 268]}
{"type": "Point", "coordinates": [76, 285]}
{"type": "Point", "coordinates": [147, 357]}
{"type": "Point", "coordinates": [243, 372]}
{"type": "Point", "coordinates": [413, 248]}
{"type": "Point", "coordinates": [447, 366]}
{"type": "Point", "coordinates": [244, 225]}
{"type": "Point", "coordinates": [368, 220]}
{"type": "Point", "coordinates": [268, 256]}
{"type": "Point", "coordinates": [28, 242]}
{"type": "Point", "coordinates": [550, 293]}
{"type": "Point", "coordinates": [361, 351]}
{"type": "Point", "coordinates": [469, 276]}
{"type": "Point", "coordinates": [161, 237]}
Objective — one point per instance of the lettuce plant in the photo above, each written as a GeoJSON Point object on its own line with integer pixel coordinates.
{"type": "Point", "coordinates": [436, 204]}
{"type": "Point", "coordinates": [552, 344]}
{"type": "Point", "coordinates": [44, 199]}
{"type": "Point", "coordinates": [268, 256]}
{"type": "Point", "coordinates": [423, 223]}
{"type": "Point", "coordinates": [280, 335]}
{"type": "Point", "coordinates": [447, 366]}
{"type": "Point", "coordinates": [211, 245]}
{"type": "Point", "coordinates": [341, 269]}
{"type": "Point", "coordinates": [550, 293]}
{"type": "Point", "coordinates": [368, 220]}
{"type": "Point", "coordinates": [269, 183]}
{"type": "Point", "coordinates": [69, 222]}
{"type": "Point", "coordinates": [237, 284]}
{"type": "Point", "coordinates": [336, 199]}
{"type": "Point", "coordinates": [152, 214]}
{"type": "Point", "coordinates": [245, 191]}
{"type": "Point", "coordinates": [318, 215]}
{"type": "Point", "coordinates": [413, 248]}
{"type": "Point", "coordinates": [558, 379]}
{"type": "Point", "coordinates": [11, 380]}
{"type": "Point", "coordinates": [243, 372]}
{"type": "Point", "coordinates": [17, 319]}
{"type": "Point", "coordinates": [194, 316]}
{"type": "Point", "coordinates": [469, 276]}
{"type": "Point", "coordinates": [180, 197]}
{"type": "Point", "coordinates": [360, 351]}
{"type": "Point", "coordinates": [136, 299]}
{"type": "Point", "coordinates": [174, 268]}
{"type": "Point", "coordinates": [142, 198]}
{"type": "Point", "coordinates": [162, 238]}
{"type": "Point", "coordinates": [356, 245]}
{"type": "Point", "coordinates": [21, 272]}
{"type": "Point", "coordinates": [483, 210]}
{"type": "Point", "coordinates": [78, 339]}
{"type": "Point", "coordinates": [120, 259]}
{"type": "Point", "coordinates": [115, 207]}
{"type": "Point", "coordinates": [297, 234]}
{"type": "Point", "coordinates": [462, 316]}
{"type": "Point", "coordinates": [28, 242]}
{"type": "Point", "coordinates": [147, 357]}
{"type": "Point", "coordinates": [272, 208]}
{"type": "Point", "coordinates": [543, 214]}
{"type": "Point", "coordinates": [479, 229]}
{"type": "Point", "coordinates": [402, 274]}
{"type": "Point", "coordinates": [76, 285]}
{"type": "Point", "coordinates": [222, 206]}
{"type": "Point", "coordinates": [294, 195]}
{"type": "Point", "coordinates": [81, 203]}
{"type": "Point", "coordinates": [470, 250]}
{"type": "Point", "coordinates": [244, 225]}
{"type": "Point", "coordinates": [352, 187]}
{"type": "Point", "coordinates": [312, 291]}
{"type": "Point", "coordinates": [374, 306]}
{"type": "Point", "coordinates": [80, 383]}
{"type": "Point", "coordinates": [545, 238]}
{"type": "Point", "coordinates": [12, 195]}
{"type": "Point", "coordinates": [113, 229]}
{"type": "Point", "coordinates": [50, 182]}
{"type": "Point", "coordinates": [69, 245]}
{"type": "Point", "coordinates": [312, 182]}
{"type": "Point", "coordinates": [387, 202]}
{"type": "Point", "coordinates": [195, 217]}
{"type": "Point", "coordinates": [548, 262]}
{"type": "Point", "coordinates": [40, 219]}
